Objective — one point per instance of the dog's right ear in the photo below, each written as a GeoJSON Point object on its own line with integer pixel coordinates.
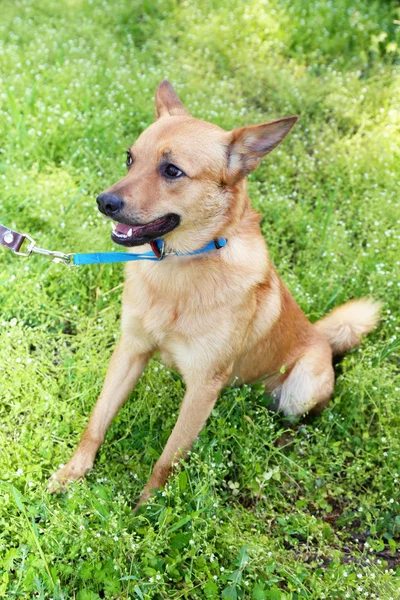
{"type": "Point", "coordinates": [168, 102]}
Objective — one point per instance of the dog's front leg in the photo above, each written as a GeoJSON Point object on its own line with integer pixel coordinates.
{"type": "Point", "coordinates": [126, 366]}
{"type": "Point", "coordinates": [196, 407]}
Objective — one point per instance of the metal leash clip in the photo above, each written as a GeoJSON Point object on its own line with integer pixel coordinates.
{"type": "Point", "coordinates": [58, 257]}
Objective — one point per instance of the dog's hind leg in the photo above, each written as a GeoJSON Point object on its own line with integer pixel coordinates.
{"type": "Point", "coordinates": [310, 383]}
{"type": "Point", "coordinates": [125, 368]}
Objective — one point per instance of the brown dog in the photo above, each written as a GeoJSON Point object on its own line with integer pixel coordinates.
{"type": "Point", "coordinates": [217, 316]}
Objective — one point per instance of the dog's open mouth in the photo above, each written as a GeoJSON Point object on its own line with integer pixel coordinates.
{"type": "Point", "coordinates": [136, 235]}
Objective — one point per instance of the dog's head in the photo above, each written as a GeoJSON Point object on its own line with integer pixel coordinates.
{"type": "Point", "coordinates": [183, 174]}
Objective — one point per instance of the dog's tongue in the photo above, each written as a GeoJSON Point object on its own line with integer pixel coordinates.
{"type": "Point", "coordinates": [131, 235]}
{"type": "Point", "coordinates": [131, 231]}
{"type": "Point", "coordinates": [125, 232]}
{"type": "Point", "coordinates": [123, 229]}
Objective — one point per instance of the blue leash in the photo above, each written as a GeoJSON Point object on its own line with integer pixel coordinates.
{"type": "Point", "coordinates": [114, 257]}
{"type": "Point", "coordinates": [15, 241]}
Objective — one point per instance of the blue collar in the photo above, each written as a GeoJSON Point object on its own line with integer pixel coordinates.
{"type": "Point", "coordinates": [157, 253]}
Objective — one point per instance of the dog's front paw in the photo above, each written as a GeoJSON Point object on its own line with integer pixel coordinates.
{"type": "Point", "coordinates": [144, 496]}
{"type": "Point", "coordinates": [157, 480]}
{"type": "Point", "coordinates": [72, 471]}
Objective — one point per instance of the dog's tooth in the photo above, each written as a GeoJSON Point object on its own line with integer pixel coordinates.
{"type": "Point", "coordinates": [129, 233]}
{"type": "Point", "coordinates": [113, 226]}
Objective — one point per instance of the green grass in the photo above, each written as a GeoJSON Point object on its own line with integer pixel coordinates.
{"type": "Point", "coordinates": [262, 510]}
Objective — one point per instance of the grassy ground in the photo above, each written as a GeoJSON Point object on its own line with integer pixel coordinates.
{"type": "Point", "coordinates": [262, 510]}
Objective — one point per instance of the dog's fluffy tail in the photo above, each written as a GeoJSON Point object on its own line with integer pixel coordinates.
{"type": "Point", "coordinates": [344, 326]}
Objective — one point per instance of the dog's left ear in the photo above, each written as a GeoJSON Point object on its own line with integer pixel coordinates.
{"type": "Point", "coordinates": [168, 102]}
{"type": "Point", "coordinates": [248, 145]}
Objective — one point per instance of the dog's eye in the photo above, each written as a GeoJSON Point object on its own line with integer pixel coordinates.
{"type": "Point", "coordinates": [129, 159]}
{"type": "Point", "coordinates": [172, 171]}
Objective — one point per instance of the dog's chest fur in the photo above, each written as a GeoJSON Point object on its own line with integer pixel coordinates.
{"type": "Point", "coordinates": [194, 310]}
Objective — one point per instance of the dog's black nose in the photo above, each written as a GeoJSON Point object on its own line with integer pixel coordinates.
{"type": "Point", "coordinates": [109, 204]}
